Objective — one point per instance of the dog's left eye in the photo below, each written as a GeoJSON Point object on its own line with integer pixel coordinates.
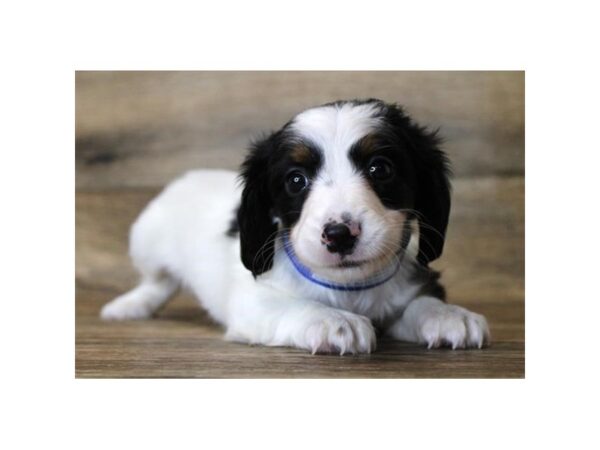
{"type": "Point", "coordinates": [380, 169]}
{"type": "Point", "coordinates": [296, 182]}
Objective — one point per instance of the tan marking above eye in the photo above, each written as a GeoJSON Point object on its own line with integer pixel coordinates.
{"type": "Point", "coordinates": [366, 145]}
{"type": "Point", "coordinates": [300, 153]}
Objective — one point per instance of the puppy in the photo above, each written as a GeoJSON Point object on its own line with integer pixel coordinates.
{"type": "Point", "coordinates": [329, 237]}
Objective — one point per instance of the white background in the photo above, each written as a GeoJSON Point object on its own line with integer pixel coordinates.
{"type": "Point", "coordinates": [41, 403]}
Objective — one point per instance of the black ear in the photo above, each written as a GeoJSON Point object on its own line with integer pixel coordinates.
{"type": "Point", "coordinates": [432, 199]}
{"type": "Point", "coordinates": [431, 183]}
{"type": "Point", "coordinates": [255, 220]}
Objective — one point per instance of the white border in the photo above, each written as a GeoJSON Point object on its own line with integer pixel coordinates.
{"type": "Point", "coordinates": [44, 42]}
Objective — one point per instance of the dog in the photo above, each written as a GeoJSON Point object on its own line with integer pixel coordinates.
{"type": "Point", "coordinates": [326, 238]}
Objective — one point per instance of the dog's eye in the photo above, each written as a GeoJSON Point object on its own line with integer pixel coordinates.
{"type": "Point", "coordinates": [296, 182]}
{"type": "Point", "coordinates": [380, 169]}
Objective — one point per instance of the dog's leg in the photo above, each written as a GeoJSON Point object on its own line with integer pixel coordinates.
{"type": "Point", "coordinates": [286, 321]}
{"type": "Point", "coordinates": [142, 301]}
{"type": "Point", "coordinates": [430, 321]}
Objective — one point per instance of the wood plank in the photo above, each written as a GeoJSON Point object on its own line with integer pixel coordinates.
{"type": "Point", "coordinates": [182, 342]}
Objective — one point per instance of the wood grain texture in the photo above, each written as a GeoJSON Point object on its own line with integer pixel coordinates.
{"type": "Point", "coordinates": [483, 269]}
{"type": "Point", "coordinates": [141, 129]}
{"type": "Point", "coordinates": [182, 342]}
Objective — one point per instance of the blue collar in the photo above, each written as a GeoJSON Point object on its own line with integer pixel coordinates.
{"type": "Point", "coordinates": [374, 281]}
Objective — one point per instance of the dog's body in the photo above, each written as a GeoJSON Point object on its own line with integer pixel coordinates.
{"type": "Point", "coordinates": [320, 250]}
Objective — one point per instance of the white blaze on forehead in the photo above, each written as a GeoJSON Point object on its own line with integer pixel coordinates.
{"type": "Point", "coordinates": [334, 129]}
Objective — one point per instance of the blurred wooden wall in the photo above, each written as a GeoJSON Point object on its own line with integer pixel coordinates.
{"type": "Point", "coordinates": [141, 129]}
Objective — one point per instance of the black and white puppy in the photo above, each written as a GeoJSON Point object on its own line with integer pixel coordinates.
{"type": "Point", "coordinates": [339, 215]}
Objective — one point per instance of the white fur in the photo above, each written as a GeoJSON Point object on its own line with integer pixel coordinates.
{"type": "Point", "coordinates": [180, 240]}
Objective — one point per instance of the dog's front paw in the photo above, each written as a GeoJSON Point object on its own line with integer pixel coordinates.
{"type": "Point", "coordinates": [451, 325]}
{"type": "Point", "coordinates": [339, 331]}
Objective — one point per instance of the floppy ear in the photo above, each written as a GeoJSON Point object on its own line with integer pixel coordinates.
{"type": "Point", "coordinates": [432, 185]}
{"type": "Point", "coordinates": [433, 193]}
{"type": "Point", "coordinates": [255, 220]}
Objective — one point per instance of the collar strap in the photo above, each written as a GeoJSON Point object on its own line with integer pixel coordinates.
{"type": "Point", "coordinates": [376, 280]}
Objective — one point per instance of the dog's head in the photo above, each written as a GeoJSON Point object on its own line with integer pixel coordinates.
{"type": "Point", "coordinates": [344, 179]}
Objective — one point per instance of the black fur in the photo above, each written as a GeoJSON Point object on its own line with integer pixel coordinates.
{"type": "Point", "coordinates": [432, 170]}
{"type": "Point", "coordinates": [254, 216]}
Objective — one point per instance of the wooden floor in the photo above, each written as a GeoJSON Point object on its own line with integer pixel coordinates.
{"type": "Point", "coordinates": [483, 269]}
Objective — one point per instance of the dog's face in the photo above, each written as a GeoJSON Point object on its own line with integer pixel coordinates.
{"type": "Point", "coordinates": [344, 180]}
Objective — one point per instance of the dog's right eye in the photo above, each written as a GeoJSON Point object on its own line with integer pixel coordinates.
{"type": "Point", "coordinates": [380, 169]}
{"type": "Point", "coordinates": [296, 182]}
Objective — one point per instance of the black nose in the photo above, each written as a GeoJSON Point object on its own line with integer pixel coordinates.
{"type": "Point", "coordinates": [338, 238]}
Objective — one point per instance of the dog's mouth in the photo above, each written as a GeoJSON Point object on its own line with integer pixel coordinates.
{"type": "Point", "coordinates": [360, 262]}
{"type": "Point", "coordinates": [351, 264]}
{"type": "Point", "coordinates": [345, 263]}
{"type": "Point", "coordinates": [342, 262]}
